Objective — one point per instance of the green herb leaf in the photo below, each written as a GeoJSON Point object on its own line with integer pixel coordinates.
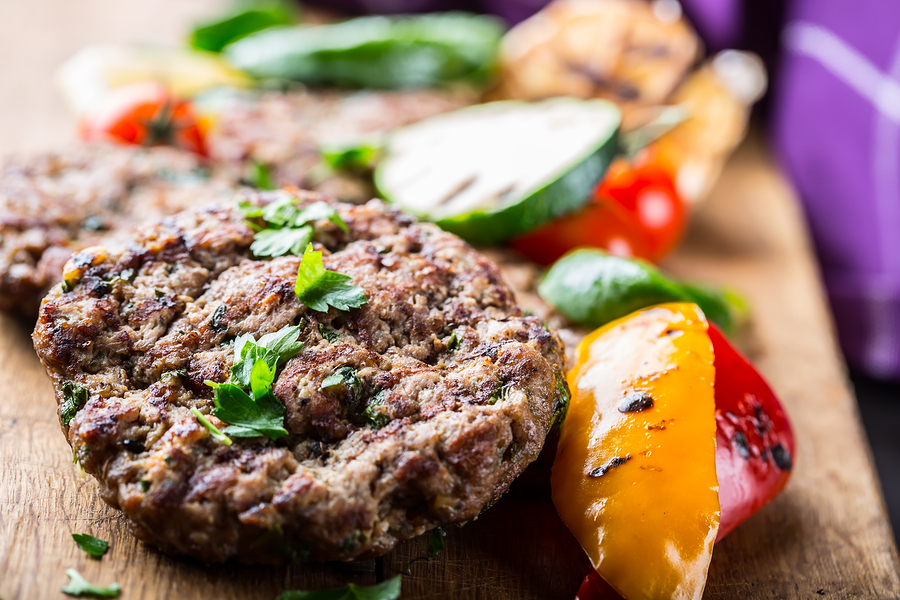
{"type": "Point", "coordinates": [435, 545]}
{"type": "Point", "coordinates": [213, 430]}
{"type": "Point", "coordinates": [240, 22]}
{"type": "Point", "coordinates": [358, 157]}
{"type": "Point", "coordinates": [215, 323]}
{"type": "Point", "coordinates": [287, 229]}
{"type": "Point", "coordinates": [329, 334]}
{"type": "Point", "coordinates": [281, 242]}
{"type": "Point", "coordinates": [274, 348]}
{"type": "Point", "coordinates": [386, 590]}
{"type": "Point", "coordinates": [344, 380]}
{"type": "Point", "coordinates": [93, 546]}
{"type": "Point", "coordinates": [251, 416]}
{"type": "Point", "coordinates": [74, 399]}
{"type": "Point", "coordinates": [79, 586]}
{"type": "Point", "coordinates": [373, 415]}
{"type": "Point", "coordinates": [261, 176]}
{"type": "Point", "coordinates": [319, 288]}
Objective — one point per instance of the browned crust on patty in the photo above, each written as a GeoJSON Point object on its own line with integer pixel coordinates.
{"type": "Point", "coordinates": [462, 421]}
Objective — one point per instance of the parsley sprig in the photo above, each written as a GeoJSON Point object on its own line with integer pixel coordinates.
{"type": "Point", "coordinates": [386, 590]}
{"type": "Point", "coordinates": [74, 399]}
{"type": "Point", "coordinates": [93, 546]}
{"type": "Point", "coordinates": [246, 402]}
{"type": "Point", "coordinates": [79, 586]}
{"type": "Point", "coordinates": [287, 229]}
{"type": "Point", "coordinates": [319, 288]}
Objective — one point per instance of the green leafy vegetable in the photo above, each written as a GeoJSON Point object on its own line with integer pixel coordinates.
{"type": "Point", "coordinates": [74, 399]}
{"type": "Point", "coordinates": [377, 52]}
{"type": "Point", "coordinates": [240, 22]}
{"type": "Point", "coordinates": [561, 403]}
{"type": "Point", "coordinates": [274, 348]}
{"type": "Point", "coordinates": [319, 288]}
{"type": "Point", "coordinates": [286, 229]}
{"type": "Point", "coordinates": [213, 430]}
{"type": "Point", "coordinates": [435, 545]}
{"type": "Point", "coordinates": [386, 590]}
{"type": "Point", "coordinates": [93, 546]}
{"type": "Point", "coordinates": [259, 414]}
{"type": "Point", "coordinates": [79, 586]}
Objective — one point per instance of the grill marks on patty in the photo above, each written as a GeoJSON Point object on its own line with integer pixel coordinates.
{"type": "Point", "coordinates": [455, 397]}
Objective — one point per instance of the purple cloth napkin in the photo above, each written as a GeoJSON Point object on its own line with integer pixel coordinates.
{"type": "Point", "coordinates": [837, 128]}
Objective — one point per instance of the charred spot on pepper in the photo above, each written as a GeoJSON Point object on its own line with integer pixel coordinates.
{"type": "Point", "coordinates": [618, 461]}
{"type": "Point", "coordinates": [741, 444]}
{"type": "Point", "coordinates": [636, 402]}
{"type": "Point", "coordinates": [661, 426]}
{"type": "Point", "coordinates": [782, 457]}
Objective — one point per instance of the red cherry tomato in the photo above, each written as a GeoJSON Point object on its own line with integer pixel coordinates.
{"type": "Point", "coordinates": [636, 212]}
{"type": "Point", "coordinates": [648, 193]}
{"type": "Point", "coordinates": [144, 114]}
{"type": "Point", "coordinates": [599, 225]}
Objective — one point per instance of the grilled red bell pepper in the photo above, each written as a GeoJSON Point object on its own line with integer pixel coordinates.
{"type": "Point", "coordinates": [754, 447]}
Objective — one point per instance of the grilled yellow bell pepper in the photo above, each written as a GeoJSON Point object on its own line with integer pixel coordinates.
{"type": "Point", "coordinates": [635, 472]}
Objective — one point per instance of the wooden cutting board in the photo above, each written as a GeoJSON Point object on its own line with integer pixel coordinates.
{"type": "Point", "coordinates": [826, 537]}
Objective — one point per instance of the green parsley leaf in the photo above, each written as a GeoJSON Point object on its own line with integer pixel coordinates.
{"type": "Point", "coordinates": [261, 176]}
{"type": "Point", "coordinates": [360, 157]}
{"type": "Point", "coordinates": [274, 348]}
{"type": "Point", "coordinates": [215, 323]}
{"type": "Point", "coordinates": [435, 545]}
{"type": "Point", "coordinates": [74, 399]}
{"type": "Point", "coordinates": [386, 590]}
{"type": "Point", "coordinates": [318, 288]}
{"type": "Point", "coordinates": [93, 546]}
{"type": "Point", "coordinates": [329, 334]}
{"type": "Point", "coordinates": [251, 416]}
{"type": "Point", "coordinates": [287, 229]}
{"type": "Point", "coordinates": [373, 415]}
{"type": "Point", "coordinates": [280, 242]}
{"type": "Point", "coordinates": [213, 430]}
{"type": "Point", "coordinates": [344, 380]}
{"type": "Point", "coordinates": [79, 586]}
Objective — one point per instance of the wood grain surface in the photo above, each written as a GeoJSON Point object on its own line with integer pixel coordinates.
{"type": "Point", "coordinates": [825, 537]}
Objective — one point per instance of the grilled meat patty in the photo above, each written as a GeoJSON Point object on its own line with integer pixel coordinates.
{"type": "Point", "coordinates": [465, 386]}
{"type": "Point", "coordinates": [56, 203]}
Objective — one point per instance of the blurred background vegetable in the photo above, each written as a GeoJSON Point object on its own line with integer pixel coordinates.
{"type": "Point", "coordinates": [242, 20]}
{"type": "Point", "coordinates": [376, 52]}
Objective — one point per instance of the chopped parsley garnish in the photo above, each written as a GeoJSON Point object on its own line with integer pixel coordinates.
{"type": "Point", "coordinates": [344, 380]}
{"type": "Point", "coordinates": [287, 229]}
{"type": "Point", "coordinates": [259, 413]}
{"type": "Point", "coordinates": [261, 176]}
{"type": "Point", "coordinates": [435, 545]}
{"type": "Point", "coordinates": [74, 399]}
{"type": "Point", "coordinates": [386, 590]}
{"type": "Point", "coordinates": [79, 586]}
{"type": "Point", "coordinates": [274, 348]}
{"type": "Point", "coordinates": [319, 288]}
{"type": "Point", "coordinates": [215, 323]}
{"type": "Point", "coordinates": [213, 430]}
{"type": "Point", "coordinates": [93, 546]}
{"type": "Point", "coordinates": [329, 334]}
{"type": "Point", "coordinates": [373, 415]}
